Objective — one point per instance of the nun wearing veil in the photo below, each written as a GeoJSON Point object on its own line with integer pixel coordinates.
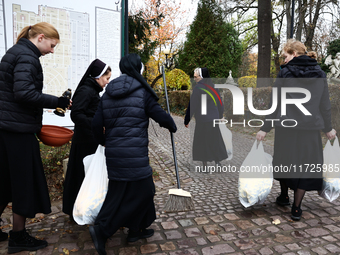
{"type": "Point", "coordinates": [85, 102]}
{"type": "Point", "coordinates": [207, 143]}
{"type": "Point", "coordinates": [121, 125]}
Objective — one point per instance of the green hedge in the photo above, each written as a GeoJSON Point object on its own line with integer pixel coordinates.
{"type": "Point", "coordinates": [178, 101]}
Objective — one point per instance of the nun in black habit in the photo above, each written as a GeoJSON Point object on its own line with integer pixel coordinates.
{"type": "Point", "coordinates": [208, 143]}
{"type": "Point", "coordinates": [121, 125]}
{"type": "Point", "coordinates": [85, 102]}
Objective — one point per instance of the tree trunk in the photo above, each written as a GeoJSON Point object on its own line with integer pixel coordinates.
{"type": "Point", "coordinates": [302, 12]}
{"type": "Point", "coordinates": [310, 27]}
{"type": "Point", "coordinates": [264, 47]}
{"type": "Point", "coordinates": [276, 46]}
{"type": "Point", "coordinates": [288, 16]}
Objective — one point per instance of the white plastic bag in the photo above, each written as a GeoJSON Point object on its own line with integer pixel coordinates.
{"type": "Point", "coordinates": [93, 189]}
{"type": "Point", "coordinates": [256, 176]}
{"type": "Point", "coordinates": [227, 139]}
{"type": "Point", "coordinates": [331, 175]}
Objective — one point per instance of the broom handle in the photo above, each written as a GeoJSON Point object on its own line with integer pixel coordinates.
{"type": "Point", "coordinates": [171, 134]}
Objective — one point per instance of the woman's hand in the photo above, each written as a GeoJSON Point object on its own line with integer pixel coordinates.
{"type": "Point", "coordinates": [331, 134]}
{"type": "Point", "coordinates": [187, 125]}
{"type": "Point", "coordinates": [70, 105]}
{"type": "Point", "coordinates": [261, 135]}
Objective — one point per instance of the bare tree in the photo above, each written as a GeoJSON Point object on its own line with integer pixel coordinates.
{"type": "Point", "coordinates": [308, 21]}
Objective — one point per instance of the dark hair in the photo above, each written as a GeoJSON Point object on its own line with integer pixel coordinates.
{"type": "Point", "coordinates": [45, 28]}
{"type": "Point", "coordinates": [108, 70]}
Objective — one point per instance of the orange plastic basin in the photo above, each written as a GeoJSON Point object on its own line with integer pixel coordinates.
{"type": "Point", "coordinates": [55, 135]}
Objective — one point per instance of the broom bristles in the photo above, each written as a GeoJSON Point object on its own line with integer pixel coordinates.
{"type": "Point", "coordinates": [179, 204]}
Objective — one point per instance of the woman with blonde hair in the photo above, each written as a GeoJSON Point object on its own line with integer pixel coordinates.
{"type": "Point", "coordinates": [298, 144]}
{"type": "Point", "coordinates": [22, 181]}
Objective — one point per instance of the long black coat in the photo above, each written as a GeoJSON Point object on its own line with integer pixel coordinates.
{"type": "Point", "coordinates": [21, 84]}
{"type": "Point", "coordinates": [300, 148]}
{"type": "Point", "coordinates": [85, 103]}
{"type": "Point", "coordinates": [214, 106]}
{"type": "Point", "coordinates": [303, 72]}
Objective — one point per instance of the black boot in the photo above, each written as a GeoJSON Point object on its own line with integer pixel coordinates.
{"type": "Point", "coordinates": [282, 200]}
{"type": "Point", "coordinates": [296, 213]}
{"type": "Point", "coordinates": [98, 240]}
{"type": "Point", "coordinates": [3, 236]}
{"type": "Point", "coordinates": [22, 241]}
{"type": "Point", "coordinates": [134, 236]}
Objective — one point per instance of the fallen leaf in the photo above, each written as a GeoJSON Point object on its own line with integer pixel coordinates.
{"type": "Point", "coordinates": [212, 232]}
{"type": "Point", "coordinates": [66, 251]}
{"type": "Point", "coordinates": [276, 221]}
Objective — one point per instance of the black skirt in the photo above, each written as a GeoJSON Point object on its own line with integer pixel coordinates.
{"type": "Point", "coordinates": [127, 204]}
{"type": "Point", "coordinates": [22, 178]}
{"type": "Point", "coordinates": [298, 158]}
{"type": "Point", "coordinates": [208, 143]}
{"type": "Point", "coordinates": [75, 173]}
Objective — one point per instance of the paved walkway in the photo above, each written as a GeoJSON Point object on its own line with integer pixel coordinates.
{"type": "Point", "coordinates": [218, 225]}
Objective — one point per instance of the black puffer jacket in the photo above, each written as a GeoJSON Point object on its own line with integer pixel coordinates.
{"type": "Point", "coordinates": [303, 72]}
{"type": "Point", "coordinates": [84, 106]}
{"type": "Point", "coordinates": [21, 84]}
{"type": "Point", "coordinates": [124, 112]}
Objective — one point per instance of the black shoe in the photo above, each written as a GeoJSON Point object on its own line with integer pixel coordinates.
{"type": "Point", "coordinates": [98, 240]}
{"type": "Point", "coordinates": [296, 213]}
{"type": "Point", "coordinates": [22, 241]}
{"type": "Point", "coordinates": [282, 200]}
{"type": "Point", "coordinates": [3, 236]}
{"type": "Point", "coordinates": [134, 236]}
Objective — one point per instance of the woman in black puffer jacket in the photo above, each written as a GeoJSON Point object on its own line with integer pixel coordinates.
{"type": "Point", "coordinates": [22, 179]}
{"type": "Point", "coordinates": [84, 105]}
{"type": "Point", "coordinates": [121, 124]}
{"type": "Point", "coordinates": [299, 147]}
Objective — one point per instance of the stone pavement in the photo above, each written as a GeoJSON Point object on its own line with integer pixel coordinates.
{"type": "Point", "coordinates": [218, 225]}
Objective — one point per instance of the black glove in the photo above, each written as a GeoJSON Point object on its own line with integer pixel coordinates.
{"type": "Point", "coordinates": [63, 102]}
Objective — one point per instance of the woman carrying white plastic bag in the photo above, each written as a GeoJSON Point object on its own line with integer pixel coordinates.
{"type": "Point", "coordinates": [256, 176]}
{"type": "Point", "coordinates": [298, 143]}
{"type": "Point", "coordinates": [93, 189]}
{"type": "Point", "coordinates": [331, 175]}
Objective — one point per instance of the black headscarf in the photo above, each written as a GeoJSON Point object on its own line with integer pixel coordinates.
{"type": "Point", "coordinates": [96, 69]}
{"type": "Point", "coordinates": [205, 72]}
{"type": "Point", "coordinates": [206, 76]}
{"type": "Point", "coordinates": [131, 64]}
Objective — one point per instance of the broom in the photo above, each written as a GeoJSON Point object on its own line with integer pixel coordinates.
{"type": "Point", "coordinates": [179, 200]}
